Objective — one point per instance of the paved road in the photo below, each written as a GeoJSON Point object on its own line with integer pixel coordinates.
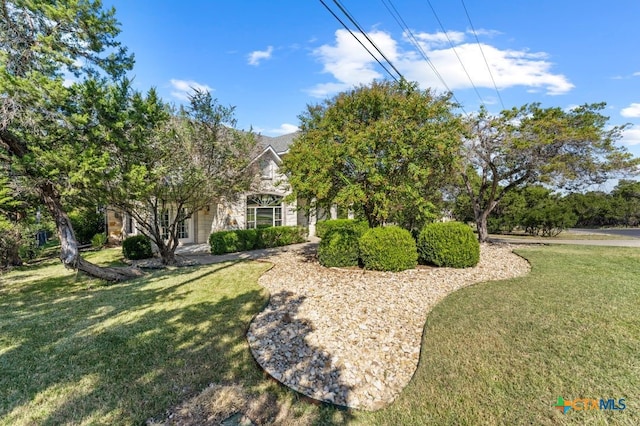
{"type": "Point", "coordinates": [613, 243]}
{"type": "Point", "coordinates": [627, 232]}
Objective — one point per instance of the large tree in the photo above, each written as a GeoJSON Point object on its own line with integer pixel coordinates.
{"type": "Point", "coordinates": [47, 48]}
{"type": "Point", "coordinates": [383, 150]}
{"type": "Point", "coordinates": [530, 145]}
{"type": "Point", "coordinates": [174, 163]}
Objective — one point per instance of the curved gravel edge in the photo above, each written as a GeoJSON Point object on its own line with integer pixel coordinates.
{"type": "Point", "coordinates": [353, 337]}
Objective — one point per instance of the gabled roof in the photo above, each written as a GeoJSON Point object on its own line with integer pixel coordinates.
{"type": "Point", "coordinates": [280, 144]}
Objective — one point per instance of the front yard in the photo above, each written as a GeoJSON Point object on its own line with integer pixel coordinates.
{"type": "Point", "coordinates": [76, 351]}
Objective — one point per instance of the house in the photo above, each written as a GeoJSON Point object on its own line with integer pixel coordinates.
{"type": "Point", "coordinates": [263, 206]}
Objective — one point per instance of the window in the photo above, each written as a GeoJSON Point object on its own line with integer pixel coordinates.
{"type": "Point", "coordinates": [263, 211]}
{"type": "Point", "coordinates": [183, 227]}
{"type": "Point", "coordinates": [265, 169]}
{"type": "Point", "coordinates": [251, 218]}
{"type": "Point", "coordinates": [164, 223]}
{"type": "Point", "coordinates": [128, 228]}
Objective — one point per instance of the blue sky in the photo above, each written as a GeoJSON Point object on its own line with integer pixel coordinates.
{"type": "Point", "coordinates": [271, 58]}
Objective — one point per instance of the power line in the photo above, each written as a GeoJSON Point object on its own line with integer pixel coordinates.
{"type": "Point", "coordinates": [446, 34]}
{"type": "Point", "coordinates": [400, 21]}
{"type": "Point", "coordinates": [483, 55]}
{"type": "Point", "coordinates": [364, 33]}
{"type": "Point", "coordinates": [362, 44]}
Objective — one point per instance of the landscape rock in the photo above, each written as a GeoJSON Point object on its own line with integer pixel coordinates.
{"type": "Point", "coordinates": [352, 337]}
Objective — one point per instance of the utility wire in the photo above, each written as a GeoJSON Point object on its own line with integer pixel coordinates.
{"type": "Point", "coordinates": [354, 22]}
{"type": "Point", "coordinates": [446, 34]}
{"type": "Point", "coordinates": [398, 18]}
{"type": "Point", "coordinates": [362, 44]}
{"type": "Point", "coordinates": [483, 55]}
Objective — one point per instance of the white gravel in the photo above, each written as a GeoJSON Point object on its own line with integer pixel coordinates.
{"type": "Point", "coordinates": [352, 337]}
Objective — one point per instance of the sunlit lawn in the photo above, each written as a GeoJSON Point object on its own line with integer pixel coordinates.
{"type": "Point", "coordinates": [76, 351]}
{"type": "Point", "coordinates": [503, 352]}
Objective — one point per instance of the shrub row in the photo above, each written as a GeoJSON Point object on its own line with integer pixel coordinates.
{"type": "Point", "coordinates": [137, 247]}
{"type": "Point", "coordinates": [384, 249]}
{"type": "Point", "coordinates": [250, 239]}
{"type": "Point", "coordinates": [392, 248]}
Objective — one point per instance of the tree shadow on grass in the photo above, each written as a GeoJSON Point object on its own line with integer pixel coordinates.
{"type": "Point", "coordinates": [125, 352]}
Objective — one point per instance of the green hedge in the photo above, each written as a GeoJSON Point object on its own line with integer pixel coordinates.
{"type": "Point", "coordinates": [249, 239]}
{"type": "Point", "coordinates": [137, 247]}
{"type": "Point", "coordinates": [339, 248]}
{"type": "Point", "coordinates": [324, 227]}
{"type": "Point", "coordinates": [388, 249]}
{"type": "Point", "coordinates": [450, 244]}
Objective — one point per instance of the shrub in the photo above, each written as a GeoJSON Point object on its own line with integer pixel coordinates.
{"type": "Point", "coordinates": [388, 249]}
{"type": "Point", "coordinates": [137, 247]}
{"type": "Point", "coordinates": [448, 244]}
{"type": "Point", "coordinates": [99, 240]}
{"type": "Point", "coordinates": [277, 236]}
{"type": "Point", "coordinates": [224, 242]}
{"type": "Point", "coordinates": [326, 226]}
{"type": "Point", "coordinates": [339, 248]}
{"type": "Point", "coordinates": [86, 223]}
{"type": "Point", "coordinates": [249, 239]}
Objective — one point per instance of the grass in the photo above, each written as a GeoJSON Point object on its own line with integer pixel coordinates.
{"type": "Point", "coordinates": [76, 351]}
{"type": "Point", "coordinates": [503, 352]}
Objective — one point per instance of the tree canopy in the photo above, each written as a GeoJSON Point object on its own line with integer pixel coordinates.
{"type": "Point", "coordinates": [47, 51]}
{"type": "Point", "coordinates": [182, 162]}
{"type": "Point", "coordinates": [382, 150]}
{"type": "Point", "coordinates": [531, 144]}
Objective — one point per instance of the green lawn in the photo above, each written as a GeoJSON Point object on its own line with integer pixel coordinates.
{"type": "Point", "coordinates": [75, 351]}
{"type": "Point", "coordinates": [503, 352]}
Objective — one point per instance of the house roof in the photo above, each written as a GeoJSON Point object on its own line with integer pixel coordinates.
{"type": "Point", "coordinates": [280, 144]}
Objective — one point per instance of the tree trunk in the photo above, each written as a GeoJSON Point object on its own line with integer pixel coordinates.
{"type": "Point", "coordinates": [481, 224]}
{"type": "Point", "coordinates": [69, 253]}
{"type": "Point", "coordinates": [167, 255]}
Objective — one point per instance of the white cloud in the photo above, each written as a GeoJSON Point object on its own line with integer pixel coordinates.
{"type": "Point", "coordinates": [636, 74]}
{"type": "Point", "coordinates": [256, 56]}
{"type": "Point", "coordinates": [351, 65]}
{"type": "Point", "coordinates": [631, 136]}
{"type": "Point", "coordinates": [438, 39]}
{"type": "Point", "coordinates": [284, 129]}
{"type": "Point", "coordinates": [632, 111]}
{"type": "Point", "coordinates": [183, 88]}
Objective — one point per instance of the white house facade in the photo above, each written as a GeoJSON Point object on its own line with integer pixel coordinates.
{"type": "Point", "coordinates": [263, 206]}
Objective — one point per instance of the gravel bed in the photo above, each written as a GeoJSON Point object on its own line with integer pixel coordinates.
{"type": "Point", "coordinates": [352, 337]}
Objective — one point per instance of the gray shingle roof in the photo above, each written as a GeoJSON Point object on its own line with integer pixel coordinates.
{"type": "Point", "coordinates": [280, 144]}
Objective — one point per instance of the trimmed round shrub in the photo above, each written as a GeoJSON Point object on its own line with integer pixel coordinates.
{"type": "Point", "coordinates": [388, 249]}
{"type": "Point", "coordinates": [339, 248]}
{"type": "Point", "coordinates": [450, 244]}
{"type": "Point", "coordinates": [326, 226]}
{"type": "Point", "coordinates": [137, 247]}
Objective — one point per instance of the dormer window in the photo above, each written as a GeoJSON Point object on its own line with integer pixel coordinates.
{"type": "Point", "coordinates": [266, 169]}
